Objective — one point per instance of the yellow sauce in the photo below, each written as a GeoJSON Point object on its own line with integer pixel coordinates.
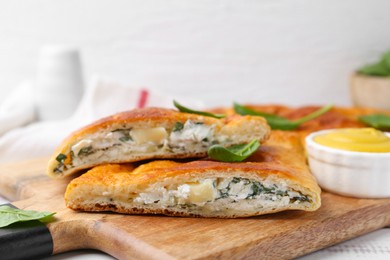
{"type": "Point", "coordinates": [356, 139]}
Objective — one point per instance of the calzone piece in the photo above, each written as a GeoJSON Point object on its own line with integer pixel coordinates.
{"type": "Point", "coordinates": [275, 178]}
{"type": "Point", "coordinates": [151, 133]}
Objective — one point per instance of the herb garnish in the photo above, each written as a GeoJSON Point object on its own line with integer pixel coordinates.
{"type": "Point", "coordinates": [60, 158]}
{"type": "Point", "coordinates": [280, 123]}
{"type": "Point", "coordinates": [125, 138]}
{"type": "Point", "coordinates": [85, 151]}
{"type": "Point", "coordinates": [235, 153]}
{"type": "Point", "coordinates": [178, 127]}
{"type": "Point", "coordinates": [191, 111]}
{"type": "Point", "coordinates": [381, 68]}
{"type": "Point", "coordinates": [126, 134]}
{"type": "Point", "coordinates": [378, 121]}
{"type": "Point", "coordinates": [9, 215]}
{"type": "Point", "coordinates": [122, 130]}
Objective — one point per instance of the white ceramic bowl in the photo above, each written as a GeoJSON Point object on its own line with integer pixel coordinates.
{"type": "Point", "coordinates": [355, 174]}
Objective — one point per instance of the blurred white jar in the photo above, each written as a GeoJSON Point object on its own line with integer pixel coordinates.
{"type": "Point", "coordinates": [59, 82]}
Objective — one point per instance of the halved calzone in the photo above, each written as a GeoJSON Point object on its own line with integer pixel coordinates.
{"type": "Point", "coordinates": [151, 133]}
{"type": "Point", "coordinates": [275, 178]}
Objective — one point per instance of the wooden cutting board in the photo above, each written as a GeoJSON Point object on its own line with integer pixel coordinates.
{"type": "Point", "coordinates": [281, 235]}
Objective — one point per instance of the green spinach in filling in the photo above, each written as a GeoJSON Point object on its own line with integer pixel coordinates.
{"type": "Point", "coordinates": [257, 188]}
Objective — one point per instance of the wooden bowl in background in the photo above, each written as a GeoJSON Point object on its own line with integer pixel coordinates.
{"type": "Point", "coordinates": [370, 91]}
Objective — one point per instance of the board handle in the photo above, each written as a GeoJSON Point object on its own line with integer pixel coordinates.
{"type": "Point", "coordinates": [25, 240]}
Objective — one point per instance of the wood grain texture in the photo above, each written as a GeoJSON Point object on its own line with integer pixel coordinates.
{"type": "Point", "coordinates": [281, 235]}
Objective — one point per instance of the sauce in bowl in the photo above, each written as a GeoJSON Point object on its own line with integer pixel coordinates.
{"type": "Point", "coordinates": [356, 140]}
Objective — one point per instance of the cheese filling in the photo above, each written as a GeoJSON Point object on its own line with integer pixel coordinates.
{"type": "Point", "coordinates": [190, 136]}
{"type": "Point", "coordinates": [222, 193]}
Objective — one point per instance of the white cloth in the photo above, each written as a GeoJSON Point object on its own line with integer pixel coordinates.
{"type": "Point", "coordinates": [39, 139]}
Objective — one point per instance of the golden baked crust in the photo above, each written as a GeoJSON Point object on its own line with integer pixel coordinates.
{"type": "Point", "coordinates": [100, 142]}
{"type": "Point", "coordinates": [279, 160]}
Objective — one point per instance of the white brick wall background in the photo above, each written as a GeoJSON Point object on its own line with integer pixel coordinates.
{"type": "Point", "coordinates": [260, 51]}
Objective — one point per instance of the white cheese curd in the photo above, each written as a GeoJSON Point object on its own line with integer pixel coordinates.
{"type": "Point", "coordinates": [151, 197]}
{"type": "Point", "coordinates": [80, 145]}
{"type": "Point", "coordinates": [194, 193]}
{"type": "Point", "coordinates": [182, 193]}
{"type": "Point", "coordinates": [155, 135]}
{"type": "Point", "coordinates": [194, 137]}
{"type": "Point", "coordinates": [200, 193]}
{"type": "Point", "coordinates": [224, 183]}
{"type": "Point", "coordinates": [101, 142]}
{"type": "Point", "coordinates": [192, 133]}
{"type": "Point", "coordinates": [111, 136]}
{"type": "Point", "coordinates": [246, 204]}
{"type": "Point", "coordinates": [162, 196]}
{"type": "Point", "coordinates": [148, 141]}
{"type": "Point", "coordinates": [221, 194]}
{"type": "Point", "coordinates": [98, 141]}
{"type": "Point", "coordinates": [240, 190]}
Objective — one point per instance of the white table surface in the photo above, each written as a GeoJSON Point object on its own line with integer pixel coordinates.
{"type": "Point", "coordinates": [374, 245]}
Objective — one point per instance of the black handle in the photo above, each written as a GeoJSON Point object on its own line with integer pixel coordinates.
{"type": "Point", "coordinates": [25, 240]}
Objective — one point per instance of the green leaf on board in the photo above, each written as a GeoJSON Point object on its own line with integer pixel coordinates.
{"type": "Point", "coordinates": [9, 215]}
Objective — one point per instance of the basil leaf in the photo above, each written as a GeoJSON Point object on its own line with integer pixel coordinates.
{"type": "Point", "coordinates": [191, 111]}
{"type": "Point", "coordinates": [386, 60]}
{"type": "Point", "coordinates": [381, 68]}
{"type": "Point", "coordinates": [313, 115]}
{"type": "Point", "coordinates": [60, 158]}
{"type": "Point", "coordinates": [377, 69]}
{"type": "Point", "coordinates": [9, 215]}
{"type": "Point", "coordinates": [236, 153]}
{"type": "Point", "coordinates": [280, 123]}
{"type": "Point", "coordinates": [377, 121]}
